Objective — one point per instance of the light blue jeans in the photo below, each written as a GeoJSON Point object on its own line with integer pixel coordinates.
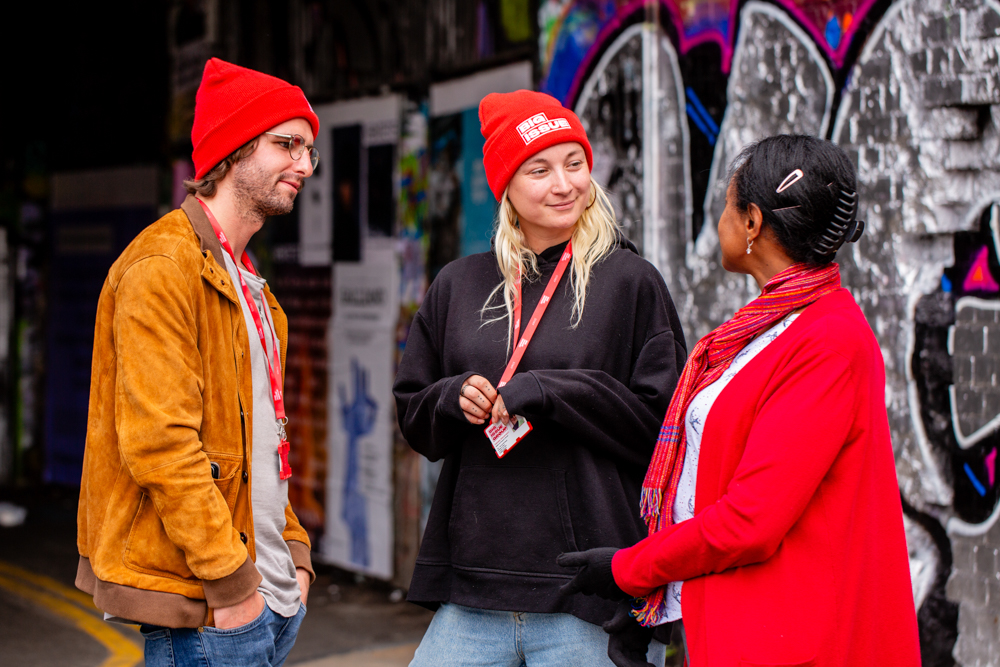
{"type": "Point", "coordinates": [466, 637]}
{"type": "Point", "coordinates": [263, 642]}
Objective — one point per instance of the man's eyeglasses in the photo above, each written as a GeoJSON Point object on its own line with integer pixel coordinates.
{"type": "Point", "coordinates": [297, 146]}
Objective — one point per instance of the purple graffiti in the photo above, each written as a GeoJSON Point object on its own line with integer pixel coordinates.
{"type": "Point", "coordinates": [991, 466]}
{"type": "Point", "coordinates": [585, 27]}
{"type": "Point", "coordinates": [979, 278]}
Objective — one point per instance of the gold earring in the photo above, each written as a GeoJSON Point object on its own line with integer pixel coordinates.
{"type": "Point", "coordinates": [749, 244]}
{"type": "Point", "coordinates": [594, 200]}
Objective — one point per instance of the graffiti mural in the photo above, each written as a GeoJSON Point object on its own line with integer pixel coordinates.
{"type": "Point", "coordinates": [672, 91]}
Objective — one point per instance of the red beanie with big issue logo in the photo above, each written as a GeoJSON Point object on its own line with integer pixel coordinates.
{"type": "Point", "coordinates": [235, 104]}
{"type": "Point", "coordinates": [517, 125]}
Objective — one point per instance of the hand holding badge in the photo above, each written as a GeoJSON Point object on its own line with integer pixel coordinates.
{"type": "Point", "coordinates": [504, 436]}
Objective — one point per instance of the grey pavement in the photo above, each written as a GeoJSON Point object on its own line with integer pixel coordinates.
{"type": "Point", "coordinates": [45, 621]}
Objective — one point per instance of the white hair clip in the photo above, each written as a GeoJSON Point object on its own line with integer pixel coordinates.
{"type": "Point", "coordinates": [790, 180]}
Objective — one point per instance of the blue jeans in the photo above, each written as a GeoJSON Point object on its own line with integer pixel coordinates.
{"type": "Point", "coordinates": [466, 637]}
{"type": "Point", "coordinates": [263, 642]}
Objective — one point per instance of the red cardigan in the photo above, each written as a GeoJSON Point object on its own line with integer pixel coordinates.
{"type": "Point", "coordinates": [796, 553]}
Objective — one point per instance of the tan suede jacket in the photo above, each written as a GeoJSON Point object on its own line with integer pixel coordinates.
{"type": "Point", "coordinates": [160, 540]}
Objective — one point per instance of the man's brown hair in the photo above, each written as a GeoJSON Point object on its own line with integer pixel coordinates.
{"type": "Point", "coordinates": [207, 185]}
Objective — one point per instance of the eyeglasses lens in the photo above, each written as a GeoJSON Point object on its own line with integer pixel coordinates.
{"type": "Point", "coordinates": [296, 146]}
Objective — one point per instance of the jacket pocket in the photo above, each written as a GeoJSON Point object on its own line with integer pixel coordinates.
{"type": "Point", "coordinates": [149, 550]}
{"type": "Point", "coordinates": [510, 519]}
{"type": "Point", "coordinates": [229, 467]}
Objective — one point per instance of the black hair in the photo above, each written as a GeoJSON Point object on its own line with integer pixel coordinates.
{"type": "Point", "coordinates": [806, 189]}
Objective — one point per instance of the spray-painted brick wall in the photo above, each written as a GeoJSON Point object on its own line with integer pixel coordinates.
{"type": "Point", "coordinates": [911, 89]}
{"type": "Point", "coordinates": [974, 581]}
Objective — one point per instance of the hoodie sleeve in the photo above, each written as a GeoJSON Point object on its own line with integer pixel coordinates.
{"type": "Point", "coordinates": [617, 416]}
{"type": "Point", "coordinates": [427, 408]}
{"type": "Point", "coordinates": [618, 420]}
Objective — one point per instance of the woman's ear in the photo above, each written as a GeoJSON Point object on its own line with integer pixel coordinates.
{"type": "Point", "coordinates": [754, 221]}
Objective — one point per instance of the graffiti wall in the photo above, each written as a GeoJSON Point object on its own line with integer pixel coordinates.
{"type": "Point", "coordinates": [670, 92]}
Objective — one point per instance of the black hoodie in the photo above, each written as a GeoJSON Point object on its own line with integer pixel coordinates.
{"type": "Point", "coordinates": [595, 396]}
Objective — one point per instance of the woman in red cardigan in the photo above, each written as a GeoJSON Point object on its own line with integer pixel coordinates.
{"type": "Point", "coordinates": [775, 523]}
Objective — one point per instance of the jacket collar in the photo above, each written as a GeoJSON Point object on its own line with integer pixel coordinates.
{"type": "Point", "coordinates": [203, 229]}
{"type": "Point", "coordinates": [214, 269]}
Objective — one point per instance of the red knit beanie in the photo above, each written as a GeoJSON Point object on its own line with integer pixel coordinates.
{"type": "Point", "coordinates": [517, 125]}
{"type": "Point", "coordinates": [235, 104]}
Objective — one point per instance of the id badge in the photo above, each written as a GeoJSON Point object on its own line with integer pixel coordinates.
{"type": "Point", "coordinates": [284, 470]}
{"type": "Point", "coordinates": [503, 437]}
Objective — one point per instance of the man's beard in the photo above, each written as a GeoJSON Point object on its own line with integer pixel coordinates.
{"type": "Point", "coordinates": [257, 191]}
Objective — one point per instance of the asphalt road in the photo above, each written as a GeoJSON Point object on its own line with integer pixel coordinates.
{"type": "Point", "coordinates": [45, 621]}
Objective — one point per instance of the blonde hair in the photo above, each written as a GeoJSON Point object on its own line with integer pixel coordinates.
{"type": "Point", "coordinates": [595, 236]}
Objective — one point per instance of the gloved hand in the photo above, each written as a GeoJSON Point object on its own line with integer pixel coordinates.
{"type": "Point", "coordinates": [594, 576]}
{"type": "Point", "coordinates": [629, 641]}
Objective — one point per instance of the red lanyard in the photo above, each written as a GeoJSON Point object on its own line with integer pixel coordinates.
{"type": "Point", "coordinates": [543, 303]}
{"type": "Point", "coordinates": [274, 360]}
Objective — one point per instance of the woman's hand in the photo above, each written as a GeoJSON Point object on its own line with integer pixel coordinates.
{"type": "Point", "coordinates": [476, 400]}
{"type": "Point", "coordinates": [594, 575]}
{"type": "Point", "coordinates": [499, 412]}
{"type": "Point", "coordinates": [629, 641]}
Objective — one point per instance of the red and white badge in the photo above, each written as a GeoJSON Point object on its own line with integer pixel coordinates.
{"type": "Point", "coordinates": [504, 437]}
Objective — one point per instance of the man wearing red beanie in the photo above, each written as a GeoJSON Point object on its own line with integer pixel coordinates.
{"type": "Point", "coordinates": [184, 523]}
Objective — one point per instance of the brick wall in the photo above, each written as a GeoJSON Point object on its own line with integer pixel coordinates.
{"type": "Point", "coordinates": [918, 110]}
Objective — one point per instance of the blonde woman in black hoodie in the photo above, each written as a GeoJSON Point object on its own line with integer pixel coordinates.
{"type": "Point", "coordinates": [546, 424]}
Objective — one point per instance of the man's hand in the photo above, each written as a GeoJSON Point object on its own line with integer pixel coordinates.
{"type": "Point", "coordinates": [240, 613]}
{"type": "Point", "coordinates": [594, 576]}
{"type": "Point", "coordinates": [303, 576]}
{"type": "Point", "coordinates": [476, 399]}
{"type": "Point", "coordinates": [629, 641]}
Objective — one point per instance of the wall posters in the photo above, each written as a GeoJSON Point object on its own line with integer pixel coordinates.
{"type": "Point", "coordinates": [359, 492]}
{"type": "Point", "coordinates": [347, 221]}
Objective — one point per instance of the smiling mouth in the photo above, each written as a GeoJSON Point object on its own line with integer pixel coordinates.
{"type": "Point", "coordinates": [562, 205]}
{"type": "Point", "coordinates": [297, 186]}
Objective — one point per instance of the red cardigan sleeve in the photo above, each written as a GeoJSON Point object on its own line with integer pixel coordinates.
{"type": "Point", "coordinates": [803, 420]}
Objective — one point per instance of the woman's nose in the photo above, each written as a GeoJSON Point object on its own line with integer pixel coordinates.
{"type": "Point", "coordinates": [560, 181]}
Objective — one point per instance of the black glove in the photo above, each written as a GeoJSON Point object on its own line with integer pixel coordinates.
{"type": "Point", "coordinates": [594, 576]}
{"type": "Point", "coordinates": [629, 641]}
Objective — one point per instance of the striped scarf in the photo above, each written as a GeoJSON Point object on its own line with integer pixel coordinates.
{"type": "Point", "coordinates": [794, 288]}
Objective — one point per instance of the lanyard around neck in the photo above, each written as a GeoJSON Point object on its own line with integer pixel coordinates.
{"type": "Point", "coordinates": [274, 361]}
{"type": "Point", "coordinates": [536, 316]}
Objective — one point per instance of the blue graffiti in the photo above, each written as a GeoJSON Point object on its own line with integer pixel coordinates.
{"type": "Point", "coordinates": [980, 489]}
{"type": "Point", "coordinates": [833, 33]}
{"type": "Point", "coordinates": [359, 419]}
{"type": "Point", "coordinates": [702, 119]}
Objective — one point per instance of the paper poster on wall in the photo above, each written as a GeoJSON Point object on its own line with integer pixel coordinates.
{"type": "Point", "coordinates": [359, 497]}
{"type": "Point", "coordinates": [359, 481]}
{"type": "Point", "coordinates": [356, 144]}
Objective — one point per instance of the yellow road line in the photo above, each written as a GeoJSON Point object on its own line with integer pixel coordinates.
{"type": "Point", "coordinates": [122, 652]}
{"type": "Point", "coordinates": [52, 586]}
{"type": "Point", "coordinates": [49, 584]}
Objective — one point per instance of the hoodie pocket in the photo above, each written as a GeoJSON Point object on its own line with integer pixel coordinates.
{"type": "Point", "coordinates": [510, 519]}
